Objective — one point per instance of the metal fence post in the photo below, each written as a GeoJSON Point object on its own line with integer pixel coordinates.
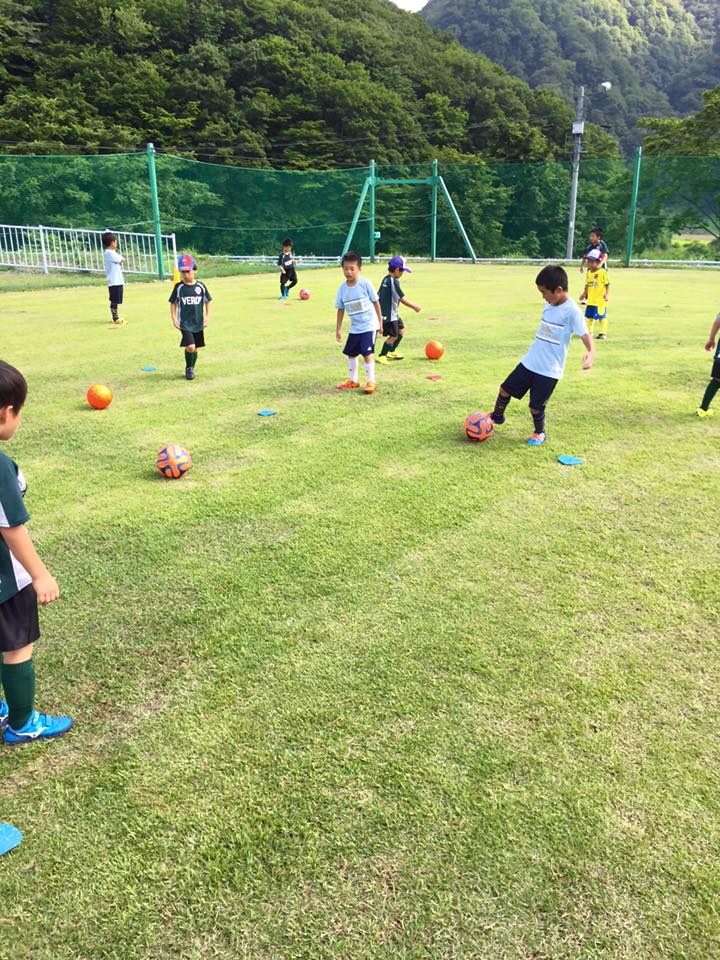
{"type": "Point", "coordinates": [633, 207]}
{"type": "Point", "coordinates": [155, 210]}
{"type": "Point", "coordinates": [372, 211]}
{"type": "Point", "coordinates": [433, 212]}
{"type": "Point", "coordinates": [42, 248]}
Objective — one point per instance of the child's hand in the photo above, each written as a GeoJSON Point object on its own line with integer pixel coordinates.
{"type": "Point", "coordinates": [46, 588]}
{"type": "Point", "coordinates": [581, 268]}
{"type": "Point", "coordinates": [710, 345]}
{"type": "Point", "coordinates": [204, 324]}
{"type": "Point", "coordinates": [176, 323]}
{"type": "Point", "coordinates": [416, 309]}
{"type": "Point", "coordinates": [338, 335]}
{"type": "Point", "coordinates": [582, 298]}
{"type": "Point", "coordinates": [587, 361]}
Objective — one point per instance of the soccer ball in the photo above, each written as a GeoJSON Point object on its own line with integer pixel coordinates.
{"type": "Point", "coordinates": [478, 426]}
{"type": "Point", "coordinates": [99, 396]}
{"type": "Point", "coordinates": [304, 294]}
{"type": "Point", "coordinates": [173, 461]}
{"type": "Point", "coordinates": [434, 349]}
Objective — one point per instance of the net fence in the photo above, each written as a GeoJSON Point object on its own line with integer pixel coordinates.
{"type": "Point", "coordinates": [508, 210]}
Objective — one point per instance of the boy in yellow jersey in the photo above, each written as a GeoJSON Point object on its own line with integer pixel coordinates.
{"type": "Point", "coordinates": [596, 294]}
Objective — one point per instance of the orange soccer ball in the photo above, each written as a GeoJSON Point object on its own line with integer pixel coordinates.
{"type": "Point", "coordinates": [99, 396]}
{"type": "Point", "coordinates": [434, 349]}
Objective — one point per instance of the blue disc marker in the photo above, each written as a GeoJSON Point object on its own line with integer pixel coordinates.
{"type": "Point", "coordinates": [148, 369]}
{"type": "Point", "coordinates": [267, 413]}
{"type": "Point", "coordinates": [10, 837]}
{"type": "Point", "coordinates": [569, 461]}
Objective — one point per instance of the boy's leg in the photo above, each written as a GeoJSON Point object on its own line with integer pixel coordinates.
{"type": "Point", "coordinates": [282, 286]}
{"type": "Point", "coordinates": [113, 296]}
{"type": "Point", "coordinates": [503, 399]}
{"type": "Point", "coordinates": [387, 346]}
{"type": "Point", "coordinates": [190, 358]}
{"type": "Point", "coordinates": [603, 326]}
{"type": "Point", "coordinates": [710, 391]}
{"type": "Point", "coordinates": [291, 284]}
{"type": "Point", "coordinates": [398, 338]}
{"type": "Point", "coordinates": [538, 415]}
{"type": "Point", "coordinates": [18, 680]}
{"type": "Point", "coordinates": [353, 367]}
{"type": "Point", "coordinates": [541, 390]}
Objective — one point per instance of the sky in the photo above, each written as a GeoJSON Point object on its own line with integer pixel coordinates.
{"type": "Point", "coordinates": [411, 4]}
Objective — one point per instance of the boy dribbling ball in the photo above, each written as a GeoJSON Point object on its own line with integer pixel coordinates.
{"type": "Point", "coordinates": [544, 363]}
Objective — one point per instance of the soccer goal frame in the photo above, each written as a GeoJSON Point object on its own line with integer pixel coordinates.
{"type": "Point", "coordinates": [436, 184]}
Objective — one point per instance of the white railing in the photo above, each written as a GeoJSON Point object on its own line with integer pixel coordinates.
{"type": "Point", "coordinates": [72, 248]}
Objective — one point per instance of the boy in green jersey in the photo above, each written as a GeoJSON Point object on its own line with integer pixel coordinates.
{"type": "Point", "coordinates": [190, 311]}
{"type": "Point", "coordinates": [25, 581]}
{"type": "Point", "coordinates": [714, 385]}
{"type": "Point", "coordinates": [390, 295]}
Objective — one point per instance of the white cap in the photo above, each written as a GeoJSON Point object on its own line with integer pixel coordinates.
{"type": "Point", "coordinates": [594, 255]}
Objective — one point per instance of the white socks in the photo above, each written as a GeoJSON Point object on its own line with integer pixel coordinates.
{"type": "Point", "coordinates": [353, 368]}
{"type": "Point", "coordinates": [370, 370]}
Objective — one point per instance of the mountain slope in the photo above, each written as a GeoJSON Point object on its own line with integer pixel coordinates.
{"type": "Point", "coordinates": [659, 54]}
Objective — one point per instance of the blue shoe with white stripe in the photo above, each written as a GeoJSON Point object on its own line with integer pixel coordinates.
{"type": "Point", "coordinates": [4, 713]}
{"type": "Point", "coordinates": [40, 726]}
{"type": "Point", "coordinates": [536, 440]}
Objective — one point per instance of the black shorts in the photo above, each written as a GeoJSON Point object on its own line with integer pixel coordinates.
{"type": "Point", "coordinates": [115, 294]}
{"type": "Point", "coordinates": [715, 372]}
{"type": "Point", "coordinates": [288, 275]}
{"type": "Point", "coordinates": [187, 337]}
{"type": "Point", "coordinates": [392, 328]}
{"type": "Point", "coordinates": [19, 624]}
{"type": "Point", "coordinates": [521, 380]}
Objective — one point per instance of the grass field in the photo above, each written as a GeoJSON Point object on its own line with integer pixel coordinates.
{"type": "Point", "coordinates": [355, 687]}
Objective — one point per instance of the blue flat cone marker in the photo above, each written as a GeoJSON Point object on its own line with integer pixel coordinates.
{"type": "Point", "coordinates": [148, 369]}
{"type": "Point", "coordinates": [267, 413]}
{"type": "Point", "coordinates": [569, 461]}
{"type": "Point", "coordinates": [10, 837]}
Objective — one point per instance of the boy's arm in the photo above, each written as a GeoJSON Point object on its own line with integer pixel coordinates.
{"type": "Point", "coordinates": [376, 304]}
{"type": "Point", "coordinates": [583, 295]}
{"type": "Point", "coordinates": [607, 292]}
{"type": "Point", "coordinates": [710, 345]}
{"type": "Point", "coordinates": [590, 347]}
{"type": "Point", "coordinates": [173, 315]}
{"type": "Point", "coordinates": [411, 305]}
{"type": "Point", "coordinates": [17, 540]}
{"type": "Point", "coordinates": [338, 324]}
{"type": "Point", "coordinates": [207, 313]}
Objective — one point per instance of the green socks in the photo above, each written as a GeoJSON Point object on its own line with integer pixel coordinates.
{"type": "Point", "coordinates": [18, 679]}
{"type": "Point", "coordinates": [712, 389]}
{"type": "Point", "coordinates": [395, 345]}
{"type": "Point", "coordinates": [190, 358]}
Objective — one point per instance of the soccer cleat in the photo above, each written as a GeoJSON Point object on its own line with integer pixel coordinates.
{"type": "Point", "coordinates": [497, 418]}
{"type": "Point", "coordinates": [384, 359]}
{"type": "Point", "coordinates": [4, 713]}
{"type": "Point", "coordinates": [189, 373]}
{"type": "Point", "coordinates": [601, 336]}
{"type": "Point", "coordinates": [395, 356]}
{"type": "Point", "coordinates": [348, 385]}
{"type": "Point", "coordinates": [40, 726]}
{"type": "Point", "coordinates": [370, 387]}
{"type": "Point", "coordinates": [703, 413]}
{"type": "Point", "coordinates": [283, 296]}
{"type": "Point", "coordinates": [536, 440]}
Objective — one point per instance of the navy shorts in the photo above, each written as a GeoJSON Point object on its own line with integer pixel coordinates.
{"type": "Point", "coordinates": [188, 336]}
{"type": "Point", "coordinates": [115, 293]}
{"type": "Point", "coordinates": [360, 344]}
{"type": "Point", "coordinates": [715, 372]}
{"type": "Point", "coordinates": [521, 380]}
{"type": "Point", "coordinates": [392, 328]}
{"type": "Point", "coordinates": [593, 313]}
{"type": "Point", "coordinates": [19, 624]}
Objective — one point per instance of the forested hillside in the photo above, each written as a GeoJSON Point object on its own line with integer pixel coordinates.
{"type": "Point", "coordinates": [295, 83]}
{"type": "Point", "coordinates": [659, 54]}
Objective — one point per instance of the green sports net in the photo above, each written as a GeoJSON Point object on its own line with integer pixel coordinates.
{"type": "Point", "coordinates": [508, 210]}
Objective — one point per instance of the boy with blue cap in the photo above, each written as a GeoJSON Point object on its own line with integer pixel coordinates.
{"type": "Point", "coordinates": [390, 295]}
{"type": "Point", "coordinates": [190, 311]}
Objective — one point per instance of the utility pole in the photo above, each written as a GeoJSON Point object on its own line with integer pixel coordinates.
{"type": "Point", "coordinates": [578, 128]}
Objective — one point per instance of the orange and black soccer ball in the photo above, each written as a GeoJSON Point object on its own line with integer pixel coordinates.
{"type": "Point", "coordinates": [173, 461]}
{"type": "Point", "coordinates": [478, 426]}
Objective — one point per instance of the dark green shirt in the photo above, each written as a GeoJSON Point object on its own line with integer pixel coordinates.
{"type": "Point", "coordinates": [13, 576]}
{"type": "Point", "coordinates": [191, 299]}
{"type": "Point", "coordinates": [390, 294]}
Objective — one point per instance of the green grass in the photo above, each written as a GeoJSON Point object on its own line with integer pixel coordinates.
{"type": "Point", "coordinates": [355, 687]}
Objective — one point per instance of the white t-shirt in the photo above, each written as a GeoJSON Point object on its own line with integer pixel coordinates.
{"type": "Point", "coordinates": [113, 270]}
{"type": "Point", "coordinates": [547, 355]}
{"type": "Point", "coordinates": [357, 302]}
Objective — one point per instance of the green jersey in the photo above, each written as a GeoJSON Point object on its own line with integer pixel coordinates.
{"type": "Point", "coordinates": [191, 299]}
{"type": "Point", "coordinates": [390, 294]}
{"type": "Point", "coordinates": [13, 576]}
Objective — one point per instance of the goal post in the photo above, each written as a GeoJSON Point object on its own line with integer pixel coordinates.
{"type": "Point", "coordinates": [434, 181]}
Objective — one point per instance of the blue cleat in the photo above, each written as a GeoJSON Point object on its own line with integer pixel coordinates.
{"type": "Point", "coordinates": [40, 726]}
{"type": "Point", "coordinates": [4, 713]}
{"type": "Point", "coordinates": [536, 440]}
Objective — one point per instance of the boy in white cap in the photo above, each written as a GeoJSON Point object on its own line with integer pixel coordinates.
{"type": "Point", "coordinates": [596, 294]}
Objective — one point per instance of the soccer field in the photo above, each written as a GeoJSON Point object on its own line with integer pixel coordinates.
{"type": "Point", "coordinates": [356, 687]}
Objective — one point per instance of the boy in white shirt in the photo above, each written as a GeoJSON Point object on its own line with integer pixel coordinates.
{"type": "Point", "coordinates": [114, 274]}
{"type": "Point", "coordinates": [544, 363]}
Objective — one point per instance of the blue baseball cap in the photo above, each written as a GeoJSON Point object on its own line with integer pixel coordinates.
{"type": "Point", "coordinates": [186, 262]}
{"type": "Point", "coordinates": [399, 263]}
